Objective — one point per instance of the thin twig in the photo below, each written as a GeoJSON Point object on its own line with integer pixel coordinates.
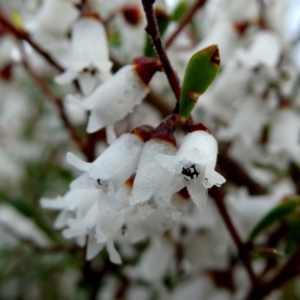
{"type": "Point", "coordinates": [235, 173]}
{"type": "Point", "coordinates": [22, 35]}
{"type": "Point", "coordinates": [153, 31]}
{"type": "Point", "coordinates": [187, 18]}
{"type": "Point", "coordinates": [287, 272]}
{"type": "Point", "coordinates": [58, 103]}
{"type": "Point", "coordinates": [216, 194]}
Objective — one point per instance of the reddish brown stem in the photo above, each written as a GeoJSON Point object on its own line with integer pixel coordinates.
{"type": "Point", "coordinates": [216, 194]}
{"type": "Point", "coordinates": [187, 18]}
{"type": "Point", "coordinates": [22, 35]}
{"type": "Point", "coordinates": [58, 103]}
{"type": "Point", "coordinates": [236, 174]}
{"type": "Point", "coordinates": [153, 31]}
{"type": "Point", "coordinates": [287, 272]}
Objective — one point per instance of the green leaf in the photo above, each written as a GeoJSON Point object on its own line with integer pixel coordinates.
{"type": "Point", "coordinates": [267, 252]}
{"type": "Point", "coordinates": [277, 213]}
{"type": "Point", "coordinates": [180, 10]}
{"type": "Point", "coordinates": [200, 72]}
{"type": "Point", "coordinates": [163, 20]}
{"type": "Point", "coordinates": [292, 234]}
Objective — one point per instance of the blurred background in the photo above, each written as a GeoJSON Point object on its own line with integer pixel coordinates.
{"type": "Point", "coordinates": [37, 262]}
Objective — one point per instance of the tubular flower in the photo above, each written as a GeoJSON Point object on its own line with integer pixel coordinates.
{"type": "Point", "coordinates": [53, 17]}
{"type": "Point", "coordinates": [193, 166]}
{"type": "Point", "coordinates": [116, 164]}
{"type": "Point", "coordinates": [89, 60]}
{"type": "Point", "coordinates": [114, 99]}
{"type": "Point", "coordinates": [150, 175]}
{"type": "Point", "coordinates": [86, 214]}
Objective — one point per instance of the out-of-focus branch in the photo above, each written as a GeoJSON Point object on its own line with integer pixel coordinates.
{"type": "Point", "coordinates": [158, 102]}
{"type": "Point", "coordinates": [58, 103]}
{"type": "Point", "coordinates": [237, 175]}
{"type": "Point", "coordinates": [217, 195]}
{"type": "Point", "coordinates": [186, 19]}
{"type": "Point", "coordinates": [22, 35]}
{"type": "Point", "coordinates": [153, 31]}
{"type": "Point", "coordinates": [262, 14]}
{"type": "Point", "coordinates": [287, 272]}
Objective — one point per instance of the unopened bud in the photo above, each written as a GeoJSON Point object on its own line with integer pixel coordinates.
{"type": "Point", "coordinates": [145, 68]}
{"type": "Point", "coordinates": [132, 13]}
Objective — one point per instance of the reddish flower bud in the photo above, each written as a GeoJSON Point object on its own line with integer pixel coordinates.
{"type": "Point", "coordinates": [132, 13]}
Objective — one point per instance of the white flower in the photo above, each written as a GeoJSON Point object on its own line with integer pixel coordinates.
{"type": "Point", "coordinates": [284, 134]}
{"type": "Point", "coordinates": [222, 33]}
{"type": "Point", "coordinates": [86, 214]}
{"type": "Point", "coordinates": [248, 121]}
{"type": "Point", "coordinates": [113, 100]}
{"type": "Point", "coordinates": [150, 175]}
{"type": "Point", "coordinates": [22, 226]}
{"type": "Point", "coordinates": [265, 49]}
{"type": "Point", "coordinates": [116, 164]}
{"type": "Point", "coordinates": [54, 17]}
{"type": "Point", "coordinates": [89, 60]}
{"type": "Point", "coordinates": [246, 210]}
{"type": "Point", "coordinates": [8, 46]}
{"type": "Point", "coordinates": [74, 203]}
{"type": "Point", "coordinates": [193, 166]}
{"type": "Point", "coordinates": [155, 261]}
{"type": "Point", "coordinates": [219, 101]}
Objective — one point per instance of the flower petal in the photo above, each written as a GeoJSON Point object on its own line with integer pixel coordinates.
{"type": "Point", "coordinates": [93, 248]}
{"type": "Point", "coordinates": [213, 178]}
{"type": "Point", "coordinates": [198, 193]}
{"type": "Point", "coordinates": [114, 256]}
{"type": "Point", "coordinates": [77, 162]}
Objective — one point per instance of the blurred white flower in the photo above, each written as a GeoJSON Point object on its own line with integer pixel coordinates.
{"type": "Point", "coordinates": [248, 121]}
{"type": "Point", "coordinates": [284, 134]}
{"type": "Point", "coordinates": [89, 59]}
{"type": "Point", "coordinates": [22, 227]}
{"type": "Point", "coordinates": [155, 260]}
{"type": "Point", "coordinates": [264, 50]}
{"type": "Point", "coordinates": [53, 17]}
{"type": "Point", "coordinates": [222, 33]}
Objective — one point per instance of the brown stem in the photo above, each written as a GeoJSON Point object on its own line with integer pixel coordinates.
{"type": "Point", "coordinates": [153, 31]}
{"type": "Point", "coordinates": [216, 194]}
{"type": "Point", "coordinates": [187, 18]}
{"type": "Point", "coordinates": [58, 103]}
{"type": "Point", "coordinates": [287, 272]}
{"type": "Point", "coordinates": [22, 35]}
{"type": "Point", "coordinates": [262, 20]}
{"type": "Point", "coordinates": [238, 176]}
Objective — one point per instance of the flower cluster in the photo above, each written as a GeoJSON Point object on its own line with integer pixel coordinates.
{"type": "Point", "coordinates": [141, 170]}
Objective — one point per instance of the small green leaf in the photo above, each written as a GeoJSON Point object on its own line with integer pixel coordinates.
{"type": "Point", "coordinates": [180, 10]}
{"type": "Point", "coordinates": [267, 252]}
{"type": "Point", "coordinates": [292, 234]}
{"type": "Point", "coordinates": [276, 214]}
{"type": "Point", "coordinates": [199, 74]}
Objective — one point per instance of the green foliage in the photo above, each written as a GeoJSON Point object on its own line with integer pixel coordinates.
{"type": "Point", "coordinates": [179, 11]}
{"type": "Point", "coordinates": [199, 74]}
{"type": "Point", "coordinates": [276, 214]}
{"type": "Point", "coordinates": [28, 274]}
{"type": "Point", "coordinates": [292, 226]}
